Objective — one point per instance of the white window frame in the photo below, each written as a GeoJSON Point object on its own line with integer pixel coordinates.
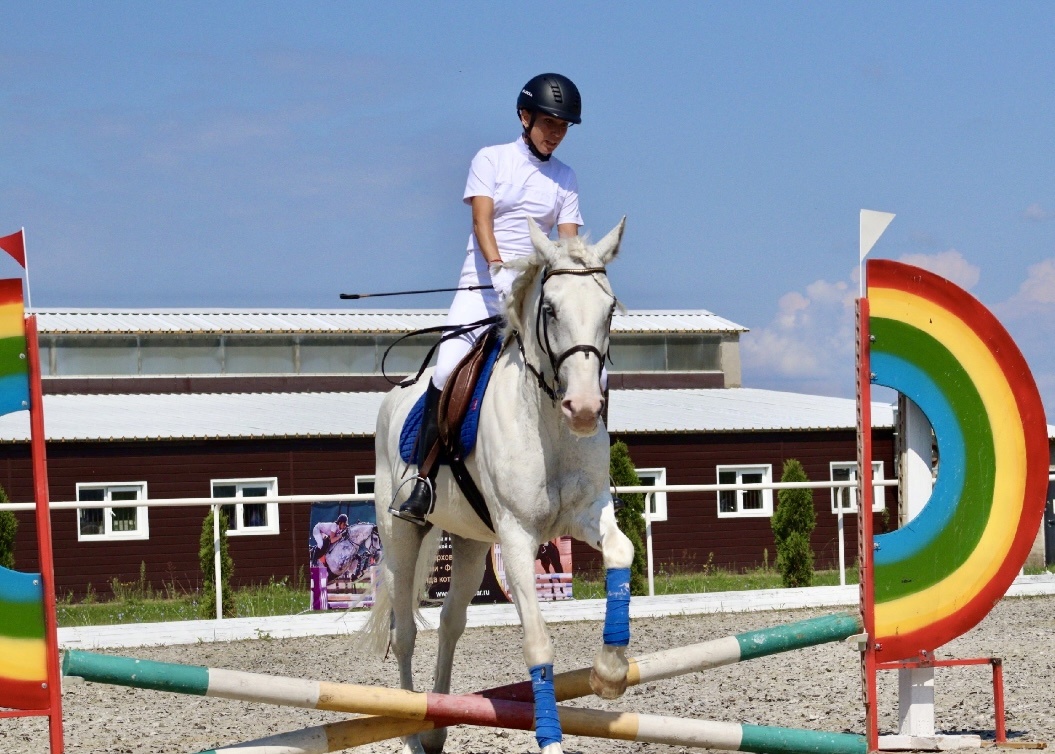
{"type": "Point", "coordinates": [364, 479]}
{"type": "Point", "coordinates": [142, 530]}
{"type": "Point", "coordinates": [766, 470]}
{"type": "Point", "coordinates": [236, 529]}
{"type": "Point", "coordinates": [878, 495]}
{"type": "Point", "coordinates": [655, 502]}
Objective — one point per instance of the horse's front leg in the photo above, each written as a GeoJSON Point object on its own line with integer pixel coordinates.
{"type": "Point", "coordinates": [468, 561]}
{"type": "Point", "coordinates": [608, 676]}
{"type": "Point", "coordinates": [518, 555]}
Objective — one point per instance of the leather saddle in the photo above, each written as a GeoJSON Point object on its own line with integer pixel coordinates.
{"type": "Point", "coordinates": [458, 392]}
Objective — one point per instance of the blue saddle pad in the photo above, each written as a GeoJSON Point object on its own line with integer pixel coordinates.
{"type": "Point", "coordinates": [467, 434]}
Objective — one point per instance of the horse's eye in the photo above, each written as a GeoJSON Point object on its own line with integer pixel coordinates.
{"type": "Point", "coordinates": [548, 310]}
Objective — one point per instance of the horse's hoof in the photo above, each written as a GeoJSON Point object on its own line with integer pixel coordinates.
{"type": "Point", "coordinates": [412, 745]}
{"type": "Point", "coordinates": [432, 741]}
{"type": "Point", "coordinates": [608, 675]}
{"type": "Point", "coordinates": [552, 749]}
{"type": "Point", "coordinates": [607, 689]}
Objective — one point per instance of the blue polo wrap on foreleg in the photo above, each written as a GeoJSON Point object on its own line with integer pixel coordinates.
{"type": "Point", "coordinates": [547, 724]}
{"type": "Point", "coordinates": [617, 610]}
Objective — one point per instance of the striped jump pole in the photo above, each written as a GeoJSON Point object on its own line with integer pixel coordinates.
{"type": "Point", "coordinates": [395, 712]}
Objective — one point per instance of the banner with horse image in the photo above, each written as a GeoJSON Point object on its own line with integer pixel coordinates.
{"type": "Point", "coordinates": [553, 579]}
{"type": "Point", "coordinates": [344, 550]}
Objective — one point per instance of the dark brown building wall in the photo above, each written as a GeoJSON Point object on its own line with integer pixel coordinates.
{"type": "Point", "coordinates": [687, 539]}
{"type": "Point", "coordinates": [174, 470]}
{"type": "Point", "coordinates": [693, 535]}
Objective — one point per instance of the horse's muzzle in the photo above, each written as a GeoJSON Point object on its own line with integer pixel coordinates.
{"type": "Point", "coordinates": [582, 414]}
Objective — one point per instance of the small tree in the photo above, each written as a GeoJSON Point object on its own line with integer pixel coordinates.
{"type": "Point", "coordinates": [8, 527]}
{"type": "Point", "coordinates": [208, 568]}
{"type": "Point", "coordinates": [631, 517]}
{"type": "Point", "coordinates": [792, 522]}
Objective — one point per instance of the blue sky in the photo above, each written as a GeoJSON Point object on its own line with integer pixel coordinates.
{"type": "Point", "coordinates": [273, 155]}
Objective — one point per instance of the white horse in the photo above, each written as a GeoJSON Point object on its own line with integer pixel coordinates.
{"type": "Point", "coordinates": [542, 464]}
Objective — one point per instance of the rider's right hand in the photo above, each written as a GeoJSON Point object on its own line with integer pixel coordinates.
{"type": "Point", "coordinates": [502, 278]}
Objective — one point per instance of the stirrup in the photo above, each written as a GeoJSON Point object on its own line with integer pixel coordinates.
{"type": "Point", "coordinates": [419, 504]}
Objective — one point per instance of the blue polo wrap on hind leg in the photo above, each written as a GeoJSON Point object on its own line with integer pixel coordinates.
{"type": "Point", "coordinates": [547, 724]}
{"type": "Point", "coordinates": [617, 609]}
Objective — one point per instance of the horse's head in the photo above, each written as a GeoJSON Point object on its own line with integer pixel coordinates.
{"type": "Point", "coordinates": [562, 306]}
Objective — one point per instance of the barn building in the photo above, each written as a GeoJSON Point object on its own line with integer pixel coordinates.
{"type": "Point", "coordinates": [237, 404]}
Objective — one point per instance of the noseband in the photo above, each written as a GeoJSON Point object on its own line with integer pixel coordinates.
{"type": "Point", "coordinates": [542, 336]}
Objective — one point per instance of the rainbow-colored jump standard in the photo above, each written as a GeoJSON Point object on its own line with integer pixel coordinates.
{"type": "Point", "coordinates": [939, 575]}
{"type": "Point", "coordinates": [14, 367]}
{"type": "Point", "coordinates": [23, 651]}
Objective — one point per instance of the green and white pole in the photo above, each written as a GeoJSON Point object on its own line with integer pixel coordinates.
{"type": "Point", "coordinates": [393, 712]}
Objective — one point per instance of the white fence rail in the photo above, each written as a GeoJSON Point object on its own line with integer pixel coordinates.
{"type": "Point", "coordinates": [216, 503]}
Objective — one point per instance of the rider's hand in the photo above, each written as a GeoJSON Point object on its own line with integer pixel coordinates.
{"type": "Point", "coordinates": [502, 278]}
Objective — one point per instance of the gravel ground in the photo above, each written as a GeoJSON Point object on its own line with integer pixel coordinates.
{"type": "Point", "coordinates": [815, 688]}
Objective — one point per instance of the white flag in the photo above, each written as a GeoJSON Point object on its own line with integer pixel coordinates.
{"type": "Point", "coordinates": [872, 226]}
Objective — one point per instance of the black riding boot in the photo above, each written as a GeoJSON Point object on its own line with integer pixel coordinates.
{"type": "Point", "coordinates": [419, 504]}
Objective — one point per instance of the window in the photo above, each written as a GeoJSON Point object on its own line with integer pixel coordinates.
{"type": "Point", "coordinates": [655, 502]}
{"type": "Point", "coordinates": [364, 485]}
{"type": "Point", "coordinates": [248, 517]}
{"type": "Point", "coordinates": [846, 497]}
{"type": "Point", "coordinates": [110, 521]}
{"type": "Point", "coordinates": [745, 503]}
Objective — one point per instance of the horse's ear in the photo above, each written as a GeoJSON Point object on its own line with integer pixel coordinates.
{"type": "Point", "coordinates": [540, 240]}
{"type": "Point", "coordinates": [608, 247]}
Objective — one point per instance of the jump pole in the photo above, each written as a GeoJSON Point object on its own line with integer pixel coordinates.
{"type": "Point", "coordinates": [398, 713]}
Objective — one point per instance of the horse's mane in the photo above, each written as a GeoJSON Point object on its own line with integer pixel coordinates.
{"type": "Point", "coordinates": [573, 252]}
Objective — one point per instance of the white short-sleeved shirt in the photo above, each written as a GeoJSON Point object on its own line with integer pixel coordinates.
{"type": "Point", "coordinates": [522, 186]}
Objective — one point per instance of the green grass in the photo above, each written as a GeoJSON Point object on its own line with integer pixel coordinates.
{"type": "Point", "coordinates": [136, 603]}
{"type": "Point", "coordinates": [711, 580]}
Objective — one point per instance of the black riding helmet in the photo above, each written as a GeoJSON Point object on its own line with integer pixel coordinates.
{"type": "Point", "coordinates": [552, 94]}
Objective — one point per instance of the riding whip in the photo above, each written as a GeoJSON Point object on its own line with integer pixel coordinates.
{"type": "Point", "coordinates": [355, 296]}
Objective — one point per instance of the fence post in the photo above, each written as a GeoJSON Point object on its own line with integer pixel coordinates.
{"type": "Point", "coordinates": [217, 565]}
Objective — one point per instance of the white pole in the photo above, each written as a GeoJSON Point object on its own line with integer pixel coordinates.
{"type": "Point", "coordinates": [648, 545]}
{"type": "Point", "coordinates": [916, 685]}
{"type": "Point", "coordinates": [25, 259]}
{"type": "Point", "coordinates": [216, 560]}
{"type": "Point", "coordinates": [842, 546]}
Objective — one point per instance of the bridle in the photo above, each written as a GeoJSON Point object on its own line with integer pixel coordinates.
{"type": "Point", "coordinates": [542, 336]}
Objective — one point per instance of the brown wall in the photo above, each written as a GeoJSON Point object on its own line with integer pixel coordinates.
{"type": "Point", "coordinates": [321, 467]}
{"type": "Point", "coordinates": [693, 532]}
{"type": "Point", "coordinates": [180, 469]}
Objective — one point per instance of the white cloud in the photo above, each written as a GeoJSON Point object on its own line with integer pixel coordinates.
{"type": "Point", "coordinates": [1036, 213]}
{"type": "Point", "coordinates": [950, 264]}
{"type": "Point", "coordinates": [809, 346]}
{"type": "Point", "coordinates": [1035, 297]}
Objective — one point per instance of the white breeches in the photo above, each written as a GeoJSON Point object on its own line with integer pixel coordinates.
{"type": "Point", "coordinates": [468, 306]}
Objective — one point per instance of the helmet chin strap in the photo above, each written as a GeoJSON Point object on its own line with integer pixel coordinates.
{"type": "Point", "coordinates": [530, 143]}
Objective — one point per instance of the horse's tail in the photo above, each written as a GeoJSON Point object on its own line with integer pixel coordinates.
{"type": "Point", "coordinates": [375, 634]}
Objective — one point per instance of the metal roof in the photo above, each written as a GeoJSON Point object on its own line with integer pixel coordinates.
{"type": "Point", "coordinates": [365, 321]}
{"type": "Point", "coordinates": [734, 410]}
{"type": "Point", "coordinates": [73, 418]}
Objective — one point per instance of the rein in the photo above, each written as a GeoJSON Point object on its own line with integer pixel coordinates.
{"type": "Point", "coordinates": [542, 337]}
{"type": "Point", "coordinates": [449, 331]}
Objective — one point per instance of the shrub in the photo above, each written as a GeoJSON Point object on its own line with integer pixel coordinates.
{"type": "Point", "coordinates": [631, 517]}
{"type": "Point", "coordinates": [8, 527]}
{"type": "Point", "coordinates": [208, 569]}
{"type": "Point", "coordinates": [792, 522]}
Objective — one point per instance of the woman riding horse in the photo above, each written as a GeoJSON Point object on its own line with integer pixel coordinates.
{"type": "Point", "coordinates": [507, 184]}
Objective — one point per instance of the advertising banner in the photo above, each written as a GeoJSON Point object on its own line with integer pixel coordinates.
{"type": "Point", "coordinates": [344, 550]}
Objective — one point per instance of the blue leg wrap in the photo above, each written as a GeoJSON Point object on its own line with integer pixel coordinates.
{"type": "Point", "coordinates": [617, 611]}
{"type": "Point", "coordinates": [547, 724]}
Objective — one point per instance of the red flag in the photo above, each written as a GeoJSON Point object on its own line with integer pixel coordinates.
{"type": "Point", "coordinates": [15, 245]}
